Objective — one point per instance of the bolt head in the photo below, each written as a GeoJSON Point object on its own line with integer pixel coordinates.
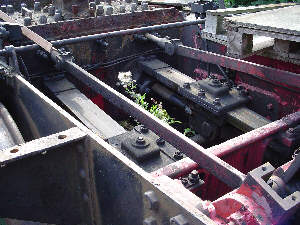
{"type": "Point", "coordinates": [217, 101]}
{"type": "Point", "coordinates": [178, 155]}
{"type": "Point", "coordinates": [144, 129]}
{"type": "Point", "coordinates": [187, 85]}
{"type": "Point", "coordinates": [240, 87]}
{"type": "Point", "coordinates": [160, 142]}
{"type": "Point", "coordinates": [140, 140]}
{"type": "Point", "coordinates": [201, 92]}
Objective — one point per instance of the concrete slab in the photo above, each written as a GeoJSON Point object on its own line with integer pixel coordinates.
{"type": "Point", "coordinates": [284, 20]}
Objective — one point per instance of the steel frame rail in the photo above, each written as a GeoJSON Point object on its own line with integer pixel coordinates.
{"type": "Point", "coordinates": [213, 164]}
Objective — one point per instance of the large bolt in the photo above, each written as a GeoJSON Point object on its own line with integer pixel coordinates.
{"type": "Point", "coordinates": [51, 10]}
{"type": "Point", "coordinates": [3, 8]}
{"type": "Point", "coordinates": [92, 5]}
{"type": "Point", "coordinates": [122, 9]}
{"type": "Point", "coordinates": [29, 14]}
{"type": "Point", "coordinates": [144, 6]}
{"type": "Point", "coordinates": [184, 181]}
{"type": "Point", "coordinates": [194, 177]}
{"type": "Point", "coordinates": [9, 9]}
{"type": "Point", "coordinates": [45, 9]}
{"type": "Point", "coordinates": [133, 7]}
{"type": "Point", "coordinates": [99, 10]}
{"type": "Point", "coordinates": [160, 142]}
{"type": "Point", "coordinates": [152, 200]}
{"type": "Point", "coordinates": [109, 10]}
{"type": "Point", "coordinates": [179, 220]}
{"type": "Point", "coordinates": [37, 6]}
{"type": "Point", "coordinates": [27, 21]}
{"type": "Point", "coordinates": [57, 17]}
{"type": "Point", "coordinates": [43, 19]}
{"type": "Point", "coordinates": [23, 11]}
{"type": "Point", "coordinates": [75, 9]}
{"type": "Point", "coordinates": [144, 129]}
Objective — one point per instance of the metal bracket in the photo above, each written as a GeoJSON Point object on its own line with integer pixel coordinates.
{"type": "Point", "coordinates": [60, 56]}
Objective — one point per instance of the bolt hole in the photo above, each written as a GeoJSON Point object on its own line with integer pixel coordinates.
{"type": "Point", "coordinates": [62, 136]}
{"type": "Point", "coordinates": [294, 198]}
{"type": "Point", "coordinates": [14, 150]}
{"type": "Point", "coordinates": [264, 168]}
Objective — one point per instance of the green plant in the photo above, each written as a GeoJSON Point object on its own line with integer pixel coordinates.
{"type": "Point", "coordinates": [189, 132]}
{"type": "Point", "coordinates": [156, 108]}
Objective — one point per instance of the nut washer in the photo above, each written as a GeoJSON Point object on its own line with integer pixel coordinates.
{"type": "Point", "coordinates": [152, 199]}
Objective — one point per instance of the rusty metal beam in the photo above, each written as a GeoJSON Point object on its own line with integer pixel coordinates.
{"type": "Point", "coordinates": [260, 71]}
{"type": "Point", "coordinates": [227, 147]}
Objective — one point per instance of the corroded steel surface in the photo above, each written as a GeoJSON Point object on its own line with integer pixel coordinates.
{"type": "Point", "coordinates": [93, 25]}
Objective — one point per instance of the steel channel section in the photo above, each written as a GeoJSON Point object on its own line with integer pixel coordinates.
{"type": "Point", "coordinates": [41, 145]}
{"type": "Point", "coordinates": [213, 164]}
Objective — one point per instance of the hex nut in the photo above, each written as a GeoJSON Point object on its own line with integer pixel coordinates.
{"type": "Point", "coordinates": [122, 9]}
{"type": "Point", "coordinates": [99, 10]}
{"type": "Point", "coordinates": [37, 6]}
{"type": "Point", "coordinates": [109, 10]}
{"type": "Point", "coordinates": [27, 21]}
{"type": "Point", "coordinates": [144, 6]}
